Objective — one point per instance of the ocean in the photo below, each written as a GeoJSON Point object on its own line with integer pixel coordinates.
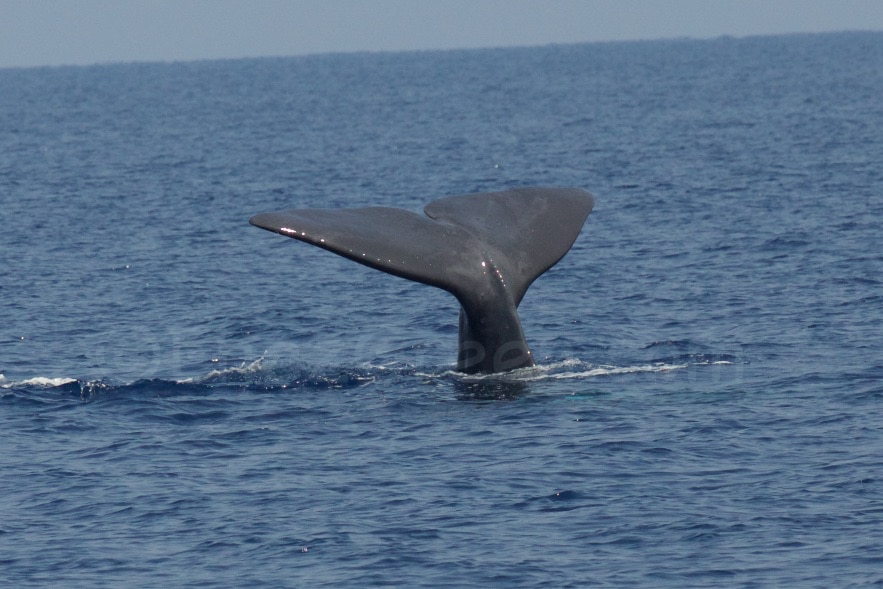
{"type": "Point", "coordinates": [188, 401]}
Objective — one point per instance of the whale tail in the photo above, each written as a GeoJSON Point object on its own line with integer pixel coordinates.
{"type": "Point", "coordinates": [486, 249]}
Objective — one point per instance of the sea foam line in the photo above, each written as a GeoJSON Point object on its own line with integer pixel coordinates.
{"type": "Point", "coordinates": [547, 373]}
{"type": "Point", "coordinates": [254, 366]}
{"type": "Point", "coordinates": [554, 371]}
{"type": "Point", "coordinates": [37, 381]}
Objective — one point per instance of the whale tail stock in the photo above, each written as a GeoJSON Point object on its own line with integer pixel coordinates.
{"type": "Point", "coordinates": [486, 249]}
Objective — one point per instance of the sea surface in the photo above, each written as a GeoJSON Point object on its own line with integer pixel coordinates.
{"type": "Point", "coordinates": [188, 401]}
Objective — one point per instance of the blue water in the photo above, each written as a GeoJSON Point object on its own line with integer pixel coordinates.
{"type": "Point", "coordinates": [189, 401]}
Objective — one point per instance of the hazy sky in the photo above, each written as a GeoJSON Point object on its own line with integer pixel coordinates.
{"type": "Point", "coordinates": [54, 32]}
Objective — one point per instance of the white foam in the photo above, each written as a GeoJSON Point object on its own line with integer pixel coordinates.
{"type": "Point", "coordinates": [565, 369]}
{"type": "Point", "coordinates": [38, 381]}
{"type": "Point", "coordinates": [243, 368]}
{"type": "Point", "coordinates": [607, 371]}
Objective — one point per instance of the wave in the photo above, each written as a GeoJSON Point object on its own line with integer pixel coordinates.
{"type": "Point", "coordinates": [262, 376]}
{"type": "Point", "coordinates": [589, 371]}
{"type": "Point", "coordinates": [256, 375]}
{"type": "Point", "coordinates": [39, 381]}
{"type": "Point", "coordinates": [564, 369]}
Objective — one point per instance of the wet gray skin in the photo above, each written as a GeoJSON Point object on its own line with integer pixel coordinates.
{"type": "Point", "coordinates": [486, 249]}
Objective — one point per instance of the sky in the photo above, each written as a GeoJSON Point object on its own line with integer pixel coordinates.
{"type": "Point", "coordinates": [82, 32]}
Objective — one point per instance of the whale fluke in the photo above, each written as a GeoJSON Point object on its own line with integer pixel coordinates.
{"type": "Point", "coordinates": [486, 249]}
